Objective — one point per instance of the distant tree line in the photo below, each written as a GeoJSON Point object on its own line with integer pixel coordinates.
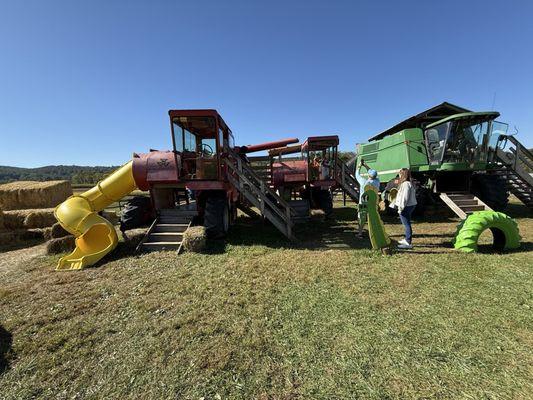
{"type": "Point", "coordinates": [74, 173]}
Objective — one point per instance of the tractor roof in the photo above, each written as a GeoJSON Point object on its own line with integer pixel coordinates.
{"type": "Point", "coordinates": [429, 116]}
{"type": "Point", "coordinates": [320, 142]}
{"type": "Point", "coordinates": [198, 113]}
{"type": "Point", "coordinates": [474, 117]}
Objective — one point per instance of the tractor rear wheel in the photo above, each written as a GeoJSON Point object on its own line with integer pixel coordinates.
{"type": "Point", "coordinates": [324, 201]}
{"type": "Point", "coordinates": [491, 189]}
{"type": "Point", "coordinates": [216, 215]}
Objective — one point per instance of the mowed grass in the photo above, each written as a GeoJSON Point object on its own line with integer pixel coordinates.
{"type": "Point", "coordinates": [326, 318]}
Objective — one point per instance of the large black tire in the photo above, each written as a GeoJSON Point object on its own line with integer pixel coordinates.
{"type": "Point", "coordinates": [136, 213]}
{"type": "Point", "coordinates": [216, 215]}
{"type": "Point", "coordinates": [491, 189]}
{"type": "Point", "coordinates": [324, 201]}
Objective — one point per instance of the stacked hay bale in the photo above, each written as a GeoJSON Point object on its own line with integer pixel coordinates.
{"type": "Point", "coordinates": [28, 209]}
{"type": "Point", "coordinates": [28, 194]}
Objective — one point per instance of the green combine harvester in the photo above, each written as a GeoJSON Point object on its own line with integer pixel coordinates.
{"type": "Point", "coordinates": [466, 159]}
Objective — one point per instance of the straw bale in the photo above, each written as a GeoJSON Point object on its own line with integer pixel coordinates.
{"type": "Point", "coordinates": [29, 194]}
{"type": "Point", "coordinates": [32, 218]}
{"type": "Point", "coordinates": [57, 231]}
{"type": "Point", "coordinates": [60, 245]}
{"type": "Point", "coordinates": [194, 239]}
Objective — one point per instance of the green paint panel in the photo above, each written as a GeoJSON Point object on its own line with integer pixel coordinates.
{"type": "Point", "coordinates": [405, 149]}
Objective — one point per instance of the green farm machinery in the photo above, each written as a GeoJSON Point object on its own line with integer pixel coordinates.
{"type": "Point", "coordinates": [466, 159]}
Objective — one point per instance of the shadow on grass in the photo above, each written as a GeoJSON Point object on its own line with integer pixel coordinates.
{"type": "Point", "coordinates": [6, 340]}
{"type": "Point", "coordinates": [518, 210]}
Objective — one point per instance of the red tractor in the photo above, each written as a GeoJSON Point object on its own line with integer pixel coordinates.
{"type": "Point", "coordinates": [206, 178]}
{"type": "Point", "coordinates": [304, 174]}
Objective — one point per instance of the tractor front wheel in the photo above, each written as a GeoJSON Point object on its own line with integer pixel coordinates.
{"type": "Point", "coordinates": [216, 216]}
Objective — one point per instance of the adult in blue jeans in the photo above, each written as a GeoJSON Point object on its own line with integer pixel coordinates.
{"type": "Point", "coordinates": [405, 202]}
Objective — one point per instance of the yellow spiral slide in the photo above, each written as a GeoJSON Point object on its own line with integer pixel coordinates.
{"type": "Point", "coordinates": [95, 236]}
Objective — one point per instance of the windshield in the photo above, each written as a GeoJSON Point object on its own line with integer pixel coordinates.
{"type": "Point", "coordinates": [465, 142]}
{"type": "Point", "coordinates": [195, 138]}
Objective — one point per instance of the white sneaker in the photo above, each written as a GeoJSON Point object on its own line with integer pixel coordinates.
{"type": "Point", "coordinates": [403, 241]}
{"type": "Point", "coordinates": [405, 246]}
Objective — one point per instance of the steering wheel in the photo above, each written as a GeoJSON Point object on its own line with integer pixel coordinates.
{"type": "Point", "coordinates": [207, 150]}
{"type": "Point", "coordinates": [433, 148]}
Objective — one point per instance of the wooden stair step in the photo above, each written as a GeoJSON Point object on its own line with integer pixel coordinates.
{"type": "Point", "coordinates": [473, 208]}
{"type": "Point", "coordinates": [165, 236]}
{"type": "Point", "coordinates": [160, 228]}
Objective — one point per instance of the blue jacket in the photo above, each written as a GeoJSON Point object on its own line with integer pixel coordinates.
{"type": "Point", "coordinates": [363, 182]}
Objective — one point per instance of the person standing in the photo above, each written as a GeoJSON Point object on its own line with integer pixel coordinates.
{"type": "Point", "coordinates": [372, 180]}
{"type": "Point", "coordinates": [405, 202]}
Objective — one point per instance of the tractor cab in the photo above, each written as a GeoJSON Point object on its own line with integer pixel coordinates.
{"type": "Point", "coordinates": [311, 163]}
{"type": "Point", "coordinates": [464, 138]}
{"type": "Point", "coordinates": [198, 138]}
{"type": "Point", "coordinates": [320, 152]}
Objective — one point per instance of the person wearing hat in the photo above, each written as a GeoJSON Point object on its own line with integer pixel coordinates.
{"type": "Point", "coordinates": [371, 180]}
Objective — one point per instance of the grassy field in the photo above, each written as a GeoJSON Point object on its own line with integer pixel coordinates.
{"type": "Point", "coordinates": [255, 318]}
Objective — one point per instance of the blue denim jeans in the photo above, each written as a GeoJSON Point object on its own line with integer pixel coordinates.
{"type": "Point", "coordinates": [405, 217]}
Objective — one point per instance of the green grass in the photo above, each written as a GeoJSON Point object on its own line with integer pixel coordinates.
{"type": "Point", "coordinates": [255, 318]}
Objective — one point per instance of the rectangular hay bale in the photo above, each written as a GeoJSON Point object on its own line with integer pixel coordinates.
{"type": "Point", "coordinates": [28, 219]}
{"type": "Point", "coordinates": [29, 194]}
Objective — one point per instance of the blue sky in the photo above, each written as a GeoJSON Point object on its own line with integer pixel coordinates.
{"type": "Point", "coordinates": [91, 82]}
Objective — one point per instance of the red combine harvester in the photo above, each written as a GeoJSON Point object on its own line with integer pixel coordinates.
{"type": "Point", "coordinates": [205, 179]}
{"type": "Point", "coordinates": [305, 175]}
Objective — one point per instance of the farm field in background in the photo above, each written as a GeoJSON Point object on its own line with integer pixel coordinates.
{"type": "Point", "coordinates": [255, 317]}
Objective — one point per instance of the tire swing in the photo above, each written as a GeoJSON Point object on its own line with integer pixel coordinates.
{"type": "Point", "coordinates": [504, 231]}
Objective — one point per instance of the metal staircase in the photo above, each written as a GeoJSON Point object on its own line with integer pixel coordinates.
{"type": "Point", "coordinates": [256, 191]}
{"type": "Point", "coordinates": [166, 232]}
{"type": "Point", "coordinates": [346, 180]}
{"type": "Point", "coordinates": [516, 165]}
{"type": "Point", "coordinates": [463, 204]}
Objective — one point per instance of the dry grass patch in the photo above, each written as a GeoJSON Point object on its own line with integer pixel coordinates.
{"type": "Point", "coordinates": [29, 194]}
{"type": "Point", "coordinates": [257, 317]}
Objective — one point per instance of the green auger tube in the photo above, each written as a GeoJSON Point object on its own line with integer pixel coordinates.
{"type": "Point", "coordinates": [504, 230]}
{"type": "Point", "coordinates": [376, 230]}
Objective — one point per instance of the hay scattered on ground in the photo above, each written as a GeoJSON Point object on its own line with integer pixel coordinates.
{"type": "Point", "coordinates": [60, 245]}
{"type": "Point", "coordinates": [29, 194]}
{"type": "Point", "coordinates": [32, 218]}
{"type": "Point", "coordinates": [194, 239]}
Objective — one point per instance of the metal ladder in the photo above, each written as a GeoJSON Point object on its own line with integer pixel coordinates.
{"type": "Point", "coordinates": [516, 164]}
{"type": "Point", "coordinates": [346, 180]}
{"type": "Point", "coordinates": [166, 232]}
{"type": "Point", "coordinates": [276, 210]}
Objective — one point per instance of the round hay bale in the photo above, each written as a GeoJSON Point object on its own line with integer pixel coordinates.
{"type": "Point", "coordinates": [194, 239]}
{"type": "Point", "coordinates": [1, 220]}
{"type": "Point", "coordinates": [40, 219]}
{"type": "Point", "coordinates": [57, 231]}
{"type": "Point", "coordinates": [29, 194]}
{"type": "Point", "coordinates": [60, 245]}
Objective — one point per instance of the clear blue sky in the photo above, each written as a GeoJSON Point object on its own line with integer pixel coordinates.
{"type": "Point", "coordinates": [90, 82]}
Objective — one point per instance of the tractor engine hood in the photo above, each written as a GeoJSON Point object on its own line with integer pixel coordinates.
{"type": "Point", "coordinates": [155, 167]}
